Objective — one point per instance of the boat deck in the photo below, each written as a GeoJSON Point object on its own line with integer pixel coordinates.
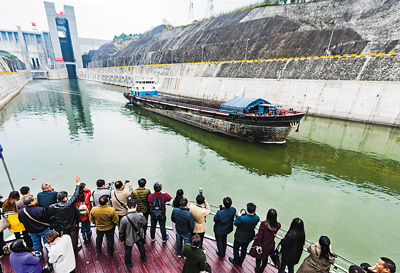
{"type": "Point", "coordinates": [161, 257]}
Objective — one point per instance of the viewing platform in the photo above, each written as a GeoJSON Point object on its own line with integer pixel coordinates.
{"type": "Point", "coordinates": [161, 257]}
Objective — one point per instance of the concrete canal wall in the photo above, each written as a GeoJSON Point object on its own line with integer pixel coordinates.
{"type": "Point", "coordinates": [367, 101]}
{"type": "Point", "coordinates": [11, 83]}
{"type": "Point", "coordinates": [332, 58]}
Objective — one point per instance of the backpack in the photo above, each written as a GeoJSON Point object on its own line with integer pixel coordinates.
{"type": "Point", "coordinates": [156, 210]}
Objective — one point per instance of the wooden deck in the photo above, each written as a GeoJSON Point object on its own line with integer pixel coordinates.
{"type": "Point", "coordinates": [161, 257]}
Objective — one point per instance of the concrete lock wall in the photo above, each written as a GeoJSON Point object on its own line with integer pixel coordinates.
{"type": "Point", "coordinates": [58, 73]}
{"type": "Point", "coordinates": [365, 101]}
{"type": "Point", "coordinates": [11, 83]}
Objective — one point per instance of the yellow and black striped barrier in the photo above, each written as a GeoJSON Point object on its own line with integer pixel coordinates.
{"type": "Point", "coordinates": [270, 59]}
{"type": "Point", "coordinates": [8, 72]}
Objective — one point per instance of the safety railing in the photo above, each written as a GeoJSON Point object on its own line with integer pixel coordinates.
{"type": "Point", "coordinates": [341, 263]}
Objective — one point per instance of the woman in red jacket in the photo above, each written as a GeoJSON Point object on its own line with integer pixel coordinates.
{"type": "Point", "coordinates": [264, 243]}
{"type": "Point", "coordinates": [84, 207]}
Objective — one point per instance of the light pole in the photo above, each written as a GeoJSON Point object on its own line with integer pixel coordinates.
{"type": "Point", "coordinates": [202, 53]}
{"type": "Point", "coordinates": [5, 167]}
{"type": "Point", "coordinates": [247, 45]}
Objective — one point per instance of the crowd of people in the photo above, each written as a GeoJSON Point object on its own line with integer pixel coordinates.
{"type": "Point", "coordinates": [49, 224]}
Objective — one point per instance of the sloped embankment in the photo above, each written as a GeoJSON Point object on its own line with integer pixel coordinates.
{"type": "Point", "coordinates": [313, 29]}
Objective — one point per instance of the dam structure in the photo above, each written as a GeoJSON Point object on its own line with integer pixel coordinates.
{"type": "Point", "coordinates": [336, 59]}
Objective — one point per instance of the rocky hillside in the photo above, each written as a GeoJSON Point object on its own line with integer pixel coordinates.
{"type": "Point", "coordinates": [310, 29]}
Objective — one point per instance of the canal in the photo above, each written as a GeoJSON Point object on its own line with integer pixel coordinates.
{"type": "Point", "coordinates": [342, 178]}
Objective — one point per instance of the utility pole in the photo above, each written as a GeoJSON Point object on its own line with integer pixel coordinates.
{"type": "Point", "coordinates": [5, 167]}
{"type": "Point", "coordinates": [202, 53]}
{"type": "Point", "coordinates": [190, 17]}
{"type": "Point", "coordinates": [210, 9]}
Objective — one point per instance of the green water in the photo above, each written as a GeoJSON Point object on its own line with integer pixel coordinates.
{"type": "Point", "coordinates": [341, 178]}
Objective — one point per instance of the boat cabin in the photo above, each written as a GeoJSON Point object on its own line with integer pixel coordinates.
{"type": "Point", "coordinates": [244, 105]}
{"type": "Point", "coordinates": [268, 109]}
{"type": "Point", "coordinates": [142, 88]}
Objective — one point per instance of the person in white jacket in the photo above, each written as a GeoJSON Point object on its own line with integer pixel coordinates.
{"type": "Point", "coordinates": [199, 215]}
{"type": "Point", "coordinates": [60, 252]}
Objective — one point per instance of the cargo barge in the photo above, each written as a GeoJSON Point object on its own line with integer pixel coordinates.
{"type": "Point", "coordinates": [251, 119]}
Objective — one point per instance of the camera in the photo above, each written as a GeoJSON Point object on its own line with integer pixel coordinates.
{"type": "Point", "coordinates": [110, 185]}
{"type": "Point", "coordinates": [220, 207]}
{"type": "Point", "coordinates": [126, 181]}
{"type": "Point", "coordinates": [201, 191]}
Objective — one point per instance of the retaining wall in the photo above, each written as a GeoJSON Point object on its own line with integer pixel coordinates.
{"type": "Point", "coordinates": [11, 84]}
{"type": "Point", "coordinates": [55, 74]}
{"type": "Point", "coordinates": [365, 101]}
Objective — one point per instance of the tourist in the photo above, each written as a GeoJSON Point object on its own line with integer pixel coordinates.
{"type": "Point", "coordinates": [47, 197]}
{"type": "Point", "coordinates": [22, 260]}
{"type": "Point", "coordinates": [10, 212]}
{"type": "Point", "coordinates": [199, 215]}
{"type": "Point", "coordinates": [245, 223]}
{"type": "Point", "coordinates": [25, 191]}
{"type": "Point", "coordinates": [100, 191]}
{"type": "Point", "coordinates": [105, 218]}
{"type": "Point", "coordinates": [355, 269]}
{"type": "Point", "coordinates": [176, 203]}
{"type": "Point", "coordinates": [384, 265]}
{"type": "Point", "coordinates": [84, 207]}
{"type": "Point", "coordinates": [119, 198]}
{"type": "Point", "coordinates": [35, 220]}
{"type": "Point", "coordinates": [320, 258]}
{"type": "Point", "coordinates": [67, 215]}
{"type": "Point", "coordinates": [223, 225]}
{"type": "Point", "coordinates": [292, 245]}
{"type": "Point", "coordinates": [157, 202]}
{"type": "Point", "coordinates": [131, 231]}
{"type": "Point", "coordinates": [184, 225]}
{"type": "Point", "coordinates": [140, 195]}
{"type": "Point", "coordinates": [264, 243]}
{"type": "Point", "coordinates": [60, 252]}
{"type": "Point", "coordinates": [195, 257]}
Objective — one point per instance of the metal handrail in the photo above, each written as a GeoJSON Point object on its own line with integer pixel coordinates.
{"type": "Point", "coordinates": [336, 266]}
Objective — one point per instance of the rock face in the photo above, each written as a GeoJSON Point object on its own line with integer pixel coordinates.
{"type": "Point", "coordinates": [333, 27]}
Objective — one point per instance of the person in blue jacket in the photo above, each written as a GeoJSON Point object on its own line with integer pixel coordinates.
{"type": "Point", "coordinates": [22, 260]}
{"type": "Point", "coordinates": [184, 225]}
{"type": "Point", "coordinates": [245, 223]}
{"type": "Point", "coordinates": [223, 224]}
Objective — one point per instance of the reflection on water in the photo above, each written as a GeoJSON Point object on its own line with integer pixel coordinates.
{"type": "Point", "coordinates": [63, 97]}
{"type": "Point", "coordinates": [77, 110]}
{"type": "Point", "coordinates": [330, 174]}
{"type": "Point", "coordinates": [322, 155]}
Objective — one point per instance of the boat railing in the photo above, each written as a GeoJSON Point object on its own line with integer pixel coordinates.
{"type": "Point", "coordinates": [183, 104]}
{"type": "Point", "coordinates": [341, 263]}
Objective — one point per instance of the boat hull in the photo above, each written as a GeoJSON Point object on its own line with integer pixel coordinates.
{"type": "Point", "coordinates": [269, 129]}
